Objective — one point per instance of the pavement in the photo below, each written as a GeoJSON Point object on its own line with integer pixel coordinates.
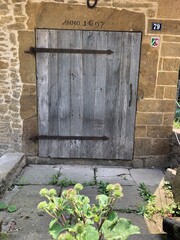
{"type": "Point", "coordinates": [27, 223]}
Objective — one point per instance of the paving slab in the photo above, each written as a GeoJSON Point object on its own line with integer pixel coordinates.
{"type": "Point", "coordinates": [26, 220]}
{"type": "Point", "coordinates": [32, 236]}
{"type": "Point", "coordinates": [38, 174]}
{"type": "Point", "coordinates": [131, 199]}
{"type": "Point", "coordinates": [136, 220]}
{"type": "Point", "coordinates": [150, 177]}
{"type": "Point", "coordinates": [114, 175]}
{"type": "Point", "coordinates": [77, 173]}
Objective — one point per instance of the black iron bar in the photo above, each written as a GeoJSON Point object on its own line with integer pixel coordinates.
{"type": "Point", "coordinates": [33, 50]}
{"type": "Point", "coordinates": [94, 138]}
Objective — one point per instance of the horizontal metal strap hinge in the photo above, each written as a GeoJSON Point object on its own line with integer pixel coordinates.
{"type": "Point", "coordinates": [81, 138]}
{"type": "Point", "coordinates": [33, 50]}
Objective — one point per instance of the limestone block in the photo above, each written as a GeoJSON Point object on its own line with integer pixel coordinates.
{"type": "Point", "coordinates": [14, 106]}
{"type": "Point", "coordinates": [171, 39]}
{"type": "Point", "coordinates": [122, 20]}
{"type": "Point", "coordinates": [12, 38]}
{"type": "Point", "coordinates": [147, 79]}
{"type": "Point", "coordinates": [27, 61]}
{"type": "Point", "coordinates": [30, 131]}
{"type": "Point", "coordinates": [168, 119]}
{"type": "Point", "coordinates": [171, 64]}
{"type": "Point", "coordinates": [4, 12]}
{"type": "Point", "coordinates": [3, 76]}
{"type": "Point", "coordinates": [159, 92]}
{"type": "Point", "coordinates": [3, 6]}
{"type": "Point", "coordinates": [160, 147]}
{"type": "Point", "coordinates": [140, 131]}
{"type": "Point", "coordinates": [159, 131]}
{"type": "Point", "coordinates": [149, 118]}
{"type": "Point", "coordinates": [18, 9]}
{"type": "Point", "coordinates": [156, 162]}
{"type": "Point", "coordinates": [17, 26]}
{"type": "Point", "coordinates": [4, 65]}
{"type": "Point", "coordinates": [3, 108]}
{"type": "Point", "coordinates": [169, 9]}
{"type": "Point", "coordinates": [160, 64]}
{"type": "Point", "coordinates": [170, 92]}
{"type": "Point", "coordinates": [151, 13]}
{"type": "Point", "coordinates": [167, 78]}
{"type": "Point", "coordinates": [28, 106]}
{"type": "Point", "coordinates": [20, 19]}
{"type": "Point", "coordinates": [130, 4]}
{"type": "Point", "coordinates": [147, 105]}
{"type": "Point", "coordinates": [142, 147]}
{"type": "Point", "coordinates": [18, 1]}
{"type": "Point", "coordinates": [7, 98]}
{"type": "Point", "coordinates": [29, 89]}
{"type": "Point", "coordinates": [16, 94]}
{"type": "Point", "coordinates": [138, 163]}
{"type": "Point", "coordinates": [171, 50]}
{"type": "Point", "coordinates": [176, 186]}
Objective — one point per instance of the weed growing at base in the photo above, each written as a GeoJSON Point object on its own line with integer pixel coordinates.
{"type": "Point", "coordinates": [150, 208]}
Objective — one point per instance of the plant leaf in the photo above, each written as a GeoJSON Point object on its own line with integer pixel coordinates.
{"type": "Point", "coordinates": [103, 200]}
{"type": "Point", "coordinates": [122, 230]}
{"type": "Point", "coordinates": [55, 228]}
{"type": "Point", "coordinates": [12, 208]}
{"type": "Point", "coordinates": [3, 206]}
{"type": "Point", "coordinates": [90, 233]}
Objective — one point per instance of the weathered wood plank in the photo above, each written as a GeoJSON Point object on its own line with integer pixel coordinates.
{"type": "Point", "coordinates": [53, 94]}
{"type": "Point", "coordinates": [64, 76]}
{"type": "Point", "coordinates": [89, 73]}
{"type": "Point", "coordinates": [76, 93]}
{"type": "Point", "coordinates": [42, 61]}
{"type": "Point", "coordinates": [131, 111]}
{"type": "Point", "coordinates": [100, 88]}
{"type": "Point", "coordinates": [112, 82]}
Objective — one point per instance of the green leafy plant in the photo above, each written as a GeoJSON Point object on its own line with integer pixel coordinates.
{"type": "Point", "coordinates": [3, 206]}
{"type": "Point", "coordinates": [145, 193]}
{"type": "Point", "coordinates": [73, 218]}
{"type": "Point", "coordinates": [9, 208]}
{"type": "Point", "coordinates": [149, 209]}
{"type": "Point", "coordinates": [4, 236]}
{"type": "Point", "coordinates": [12, 208]}
{"type": "Point", "coordinates": [90, 183]}
{"type": "Point", "coordinates": [102, 187]}
{"type": "Point", "coordinates": [66, 182]}
{"type": "Point", "coordinates": [54, 179]}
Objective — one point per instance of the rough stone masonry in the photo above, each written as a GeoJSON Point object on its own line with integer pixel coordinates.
{"type": "Point", "coordinates": [157, 78]}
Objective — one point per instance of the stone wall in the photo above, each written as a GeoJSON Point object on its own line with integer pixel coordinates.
{"type": "Point", "coordinates": [158, 69]}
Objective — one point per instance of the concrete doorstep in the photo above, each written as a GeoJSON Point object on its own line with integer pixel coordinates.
{"type": "Point", "coordinates": [11, 165]}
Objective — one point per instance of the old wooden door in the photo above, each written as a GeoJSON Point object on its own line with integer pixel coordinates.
{"type": "Point", "coordinates": [87, 91]}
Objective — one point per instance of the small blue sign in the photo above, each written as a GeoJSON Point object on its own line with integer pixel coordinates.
{"type": "Point", "coordinates": [156, 26]}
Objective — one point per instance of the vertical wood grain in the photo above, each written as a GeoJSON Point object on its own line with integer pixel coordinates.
{"type": "Point", "coordinates": [42, 61]}
{"type": "Point", "coordinates": [76, 93]}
